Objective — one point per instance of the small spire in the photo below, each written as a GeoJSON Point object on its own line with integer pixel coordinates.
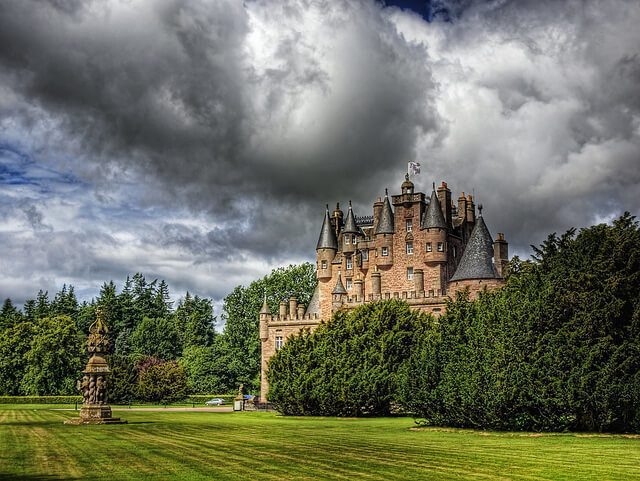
{"type": "Point", "coordinates": [433, 186]}
{"type": "Point", "coordinates": [479, 210]}
{"type": "Point", "coordinates": [265, 306]}
{"type": "Point", "coordinates": [406, 176]}
{"type": "Point", "coordinates": [386, 192]}
{"type": "Point", "coordinates": [339, 289]}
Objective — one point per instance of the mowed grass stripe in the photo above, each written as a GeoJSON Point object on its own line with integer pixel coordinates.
{"type": "Point", "coordinates": [259, 459]}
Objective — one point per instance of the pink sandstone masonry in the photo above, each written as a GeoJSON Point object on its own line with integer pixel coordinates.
{"type": "Point", "coordinates": [422, 250]}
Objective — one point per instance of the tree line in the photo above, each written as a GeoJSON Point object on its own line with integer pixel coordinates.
{"type": "Point", "coordinates": [159, 352]}
{"type": "Point", "coordinates": [558, 348]}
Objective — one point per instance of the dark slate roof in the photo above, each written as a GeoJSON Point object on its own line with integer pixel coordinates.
{"type": "Point", "coordinates": [327, 239]}
{"type": "Point", "coordinates": [339, 289]}
{"type": "Point", "coordinates": [476, 262]}
{"type": "Point", "coordinates": [385, 224]}
{"type": "Point", "coordinates": [433, 215]}
{"type": "Point", "coordinates": [350, 226]}
{"type": "Point", "coordinates": [314, 303]}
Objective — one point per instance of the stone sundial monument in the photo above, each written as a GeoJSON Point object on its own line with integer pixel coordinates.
{"type": "Point", "coordinates": [94, 385]}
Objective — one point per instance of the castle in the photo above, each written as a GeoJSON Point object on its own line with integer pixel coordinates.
{"type": "Point", "coordinates": [420, 250]}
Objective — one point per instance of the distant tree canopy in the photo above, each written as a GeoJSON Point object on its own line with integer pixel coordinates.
{"type": "Point", "coordinates": [557, 348]}
{"type": "Point", "coordinates": [241, 340]}
{"type": "Point", "coordinates": [42, 345]}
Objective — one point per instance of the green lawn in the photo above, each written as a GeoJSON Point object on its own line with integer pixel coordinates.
{"type": "Point", "coordinates": [35, 444]}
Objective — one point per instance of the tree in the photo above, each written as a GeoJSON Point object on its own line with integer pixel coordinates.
{"type": "Point", "coordinates": [556, 348]}
{"type": "Point", "coordinates": [123, 380]}
{"type": "Point", "coordinates": [161, 381]}
{"type": "Point", "coordinates": [240, 343]}
{"type": "Point", "coordinates": [202, 367]}
{"type": "Point", "coordinates": [348, 367]}
{"type": "Point", "coordinates": [9, 315]}
{"type": "Point", "coordinates": [54, 359]}
{"type": "Point", "coordinates": [15, 343]}
{"type": "Point", "coordinates": [155, 337]}
{"type": "Point", "coordinates": [195, 322]}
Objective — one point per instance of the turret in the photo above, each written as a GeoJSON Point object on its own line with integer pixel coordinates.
{"type": "Point", "coordinates": [326, 248]}
{"type": "Point", "coordinates": [336, 220]}
{"type": "Point", "coordinates": [501, 254]}
{"type": "Point", "coordinates": [444, 196]}
{"type": "Point", "coordinates": [338, 294]}
{"type": "Point", "coordinates": [265, 317]}
{"type": "Point", "coordinates": [384, 233]}
{"type": "Point", "coordinates": [350, 233]}
{"type": "Point", "coordinates": [435, 227]}
{"type": "Point", "coordinates": [477, 260]}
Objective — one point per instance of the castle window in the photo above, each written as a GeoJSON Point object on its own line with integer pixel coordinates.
{"type": "Point", "coordinates": [409, 273]}
{"type": "Point", "coordinates": [428, 246]}
{"type": "Point", "coordinates": [440, 246]}
{"type": "Point", "coordinates": [455, 251]}
{"type": "Point", "coordinates": [349, 263]}
{"type": "Point", "coordinates": [349, 284]}
{"type": "Point", "coordinates": [354, 239]}
{"type": "Point", "coordinates": [385, 251]}
{"type": "Point", "coordinates": [279, 342]}
{"type": "Point", "coordinates": [365, 255]}
{"type": "Point", "coordinates": [409, 224]}
{"type": "Point", "coordinates": [347, 239]}
{"type": "Point", "coordinates": [409, 248]}
{"type": "Point", "coordinates": [323, 265]}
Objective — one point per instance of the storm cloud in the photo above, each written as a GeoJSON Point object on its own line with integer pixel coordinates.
{"type": "Point", "coordinates": [199, 141]}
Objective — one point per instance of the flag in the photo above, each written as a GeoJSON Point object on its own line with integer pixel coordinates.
{"type": "Point", "coordinates": [413, 168]}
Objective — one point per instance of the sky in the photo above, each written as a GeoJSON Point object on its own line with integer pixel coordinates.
{"type": "Point", "coordinates": [199, 141]}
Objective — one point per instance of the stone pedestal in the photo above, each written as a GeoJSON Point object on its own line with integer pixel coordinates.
{"type": "Point", "coordinates": [95, 409]}
{"type": "Point", "coordinates": [95, 414]}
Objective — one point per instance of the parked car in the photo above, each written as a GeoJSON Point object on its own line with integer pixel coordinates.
{"type": "Point", "coordinates": [216, 401]}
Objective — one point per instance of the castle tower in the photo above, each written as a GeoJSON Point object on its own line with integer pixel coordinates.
{"type": "Point", "coordinates": [326, 248]}
{"type": "Point", "coordinates": [384, 233]}
{"type": "Point", "coordinates": [338, 294]}
{"type": "Point", "coordinates": [476, 269]}
{"type": "Point", "coordinates": [501, 254]}
{"type": "Point", "coordinates": [434, 226]}
{"type": "Point", "coordinates": [350, 233]}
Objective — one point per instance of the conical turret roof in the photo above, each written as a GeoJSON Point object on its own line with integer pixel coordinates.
{"type": "Point", "coordinates": [433, 215]}
{"type": "Point", "coordinates": [477, 260]}
{"type": "Point", "coordinates": [265, 306]}
{"type": "Point", "coordinates": [350, 226]}
{"type": "Point", "coordinates": [327, 239]}
{"type": "Point", "coordinates": [339, 289]}
{"type": "Point", "coordinates": [386, 223]}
